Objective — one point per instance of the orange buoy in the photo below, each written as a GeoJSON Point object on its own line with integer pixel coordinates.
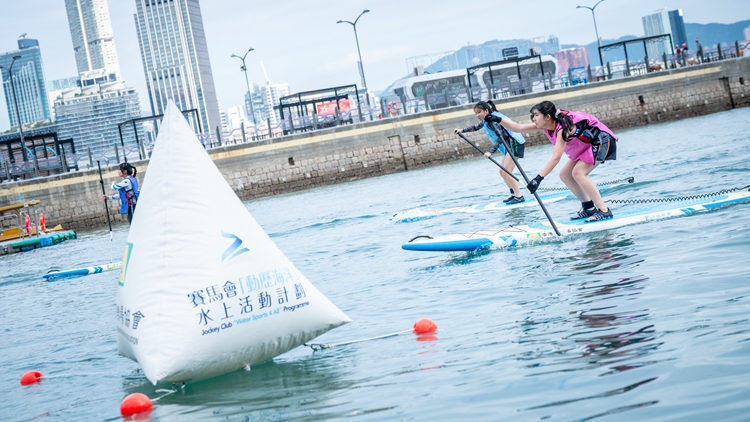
{"type": "Point", "coordinates": [27, 223]}
{"type": "Point", "coordinates": [424, 325]}
{"type": "Point", "coordinates": [42, 223]}
{"type": "Point", "coordinates": [31, 377]}
{"type": "Point", "coordinates": [135, 403]}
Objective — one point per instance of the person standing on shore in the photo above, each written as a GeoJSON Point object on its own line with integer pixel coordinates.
{"type": "Point", "coordinates": [698, 51]}
{"type": "Point", "coordinates": [127, 190]}
{"type": "Point", "coordinates": [585, 140]}
{"type": "Point", "coordinates": [515, 140]}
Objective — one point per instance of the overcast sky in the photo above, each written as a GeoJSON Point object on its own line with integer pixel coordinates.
{"type": "Point", "coordinates": [300, 43]}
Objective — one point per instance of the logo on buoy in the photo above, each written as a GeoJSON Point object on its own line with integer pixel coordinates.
{"type": "Point", "coordinates": [234, 249]}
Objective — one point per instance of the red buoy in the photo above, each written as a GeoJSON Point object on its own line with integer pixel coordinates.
{"type": "Point", "coordinates": [424, 325]}
{"type": "Point", "coordinates": [31, 377]}
{"type": "Point", "coordinates": [42, 223]}
{"type": "Point", "coordinates": [135, 403]}
{"type": "Point", "coordinates": [27, 223]}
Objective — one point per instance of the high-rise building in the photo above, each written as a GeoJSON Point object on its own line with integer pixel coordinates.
{"type": "Point", "coordinates": [571, 57]}
{"type": "Point", "coordinates": [271, 93]}
{"type": "Point", "coordinates": [175, 59]}
{"type": "Point", "coordinates": [56, 87]}
{"type": "Point", "coordinates": [259, 108]}
{"type": "Point", "coordinates": [677, 25]}
{"type": "Point", "coordinates": [658, 23]}
{"type": "Point", "coordinates": [91, 112]}
{"type": "Point", "coordinates": [28, 83]}
{"type": "Point", "coordinates": [746, 33]}
{"type": "Point", "coordinates": [234, 117]}
{"type": "Point", "coordinates": [91, 32]}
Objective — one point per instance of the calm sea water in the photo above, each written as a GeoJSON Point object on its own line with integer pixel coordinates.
{"type": "Point", "coordinates": [646, 322]}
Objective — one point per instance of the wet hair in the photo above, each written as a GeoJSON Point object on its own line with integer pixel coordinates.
{"type": "Point", "coordinates": [128, 169]}
{"type": "Point", "coordinates": [546, 108]}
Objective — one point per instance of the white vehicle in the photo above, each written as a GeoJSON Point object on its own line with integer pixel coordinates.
{"type": "Point", "coordinates": [456, 87]}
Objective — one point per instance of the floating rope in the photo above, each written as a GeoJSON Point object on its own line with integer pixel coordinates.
{"type": "Point", "coordinates": [677, 199]}
{"type": "Point", "coordinates": [627, 179]}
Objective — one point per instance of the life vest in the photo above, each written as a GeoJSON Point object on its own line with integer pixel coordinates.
{"type": "Point", "coordinates": [129, 197]}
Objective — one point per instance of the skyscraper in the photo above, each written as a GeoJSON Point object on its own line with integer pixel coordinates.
{"type": "Point", "coordinates": [175, 58]}
{"type": "Point", "coordinates": [677, 24]}
{"type": "Point", "coordinates": [93, 39]}
{"type": "Point", "coordinates": [90, 108]}
{"type": "Point", "coordinates": [28, 81]}
{"type": "Point", "coordinates": [271, 93]}
{"type": "Point", "coordinates": [91, 112]}
{"type": "Point", "coordinates": [658, 23]}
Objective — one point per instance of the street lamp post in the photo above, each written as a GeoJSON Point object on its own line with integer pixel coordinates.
{"type": "Point", "coordinates": [249, 95]}
{"type": "Point", "coordinates": [15, 99]}
{"type": "Point", "coordinates": [361, 67]}
{"type": "Point", "coordinates": [598, 42]}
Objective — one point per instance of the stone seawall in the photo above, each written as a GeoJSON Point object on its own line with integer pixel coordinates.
{"type": "Point", "coordinates": [399, 144]}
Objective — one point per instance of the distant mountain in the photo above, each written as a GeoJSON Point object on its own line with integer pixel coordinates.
{"type": "Point", "coordinates": [714, 33]}
{"type": "Point", "coordinates": [709, 35]}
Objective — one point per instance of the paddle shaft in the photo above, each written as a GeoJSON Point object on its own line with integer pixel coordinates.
{"type": "Point", "coordinates": [523, 173]}
{"type": "Point", "coordinates": [491, 159]}
{"type": "Point", "coordinates": [106, 207]}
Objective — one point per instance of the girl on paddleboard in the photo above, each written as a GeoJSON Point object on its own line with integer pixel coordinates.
{"type": "Point", "coordinates": [586, 141]}
{"type": "Point", "coordinates": [127, 190]}
{"type": "Point", "coordinates": [515, 140]}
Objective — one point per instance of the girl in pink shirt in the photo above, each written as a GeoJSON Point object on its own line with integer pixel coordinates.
{"type": "Point", "coordinates": [585, 140]}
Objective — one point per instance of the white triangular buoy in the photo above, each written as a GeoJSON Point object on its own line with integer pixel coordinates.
{"type": "Point", "coordinates": [203, 290]}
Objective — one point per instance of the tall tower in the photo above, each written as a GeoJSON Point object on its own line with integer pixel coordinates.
{"type": "Point", "coordinates": [93, 39]}
{"type": "Point", "coordinates": [175, 58]}
{"type": "Point", "coordinates": [658, 23]}
{"type": "Point", "coordinates": [28, 83]}
{"type": "Point", "coordinates": [677, 24]}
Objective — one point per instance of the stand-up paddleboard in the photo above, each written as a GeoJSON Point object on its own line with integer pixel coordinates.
{"type": "Point", "coordinates": [194, 304]}
{"type": "Point", "coordinates": [513, 236]}
{"type": "Point", "coordinates": [559, 195]}
{"type": "Point", "coordinates": [79, 272]}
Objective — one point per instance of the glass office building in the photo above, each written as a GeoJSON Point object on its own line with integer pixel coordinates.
{"type": "Point", "coordinates": [28, 83]}
{"type": "Point", "coordinates": [175, 59]}
{"type": "Point", "coordinates": [92, 36]}
{"type": "Point", "coordinates": [658, 23]}
{"type": "Point", "coordinates": [91, 113]}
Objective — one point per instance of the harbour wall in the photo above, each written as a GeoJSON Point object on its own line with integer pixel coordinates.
{"type": "Point", "coordinates": [403, 143]}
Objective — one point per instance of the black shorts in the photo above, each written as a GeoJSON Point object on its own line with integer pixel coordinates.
{"type": "Point", "coordinates": [517, 148]}
{"type": "Point", "coordinates": [605, 149]}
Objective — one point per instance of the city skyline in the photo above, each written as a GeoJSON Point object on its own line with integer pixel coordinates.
{"type": "Point", "coordinates": [313, 52]}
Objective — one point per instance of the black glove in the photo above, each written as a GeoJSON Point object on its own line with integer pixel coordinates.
{"type": "Point", "coordinates": [534, 184]}
{"type": "Point", "coordinates": [491, 118]}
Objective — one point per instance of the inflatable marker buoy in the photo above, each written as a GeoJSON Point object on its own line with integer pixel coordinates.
{"type": "Point", "coordinates": [233, 296]}
{"type": "Point", "coordinates": [135, 403]}
{"type": "Point", "coordinates": [27, 223]}
{"type": "Point", "coordinates": [42, 223]}
{"type": "Point", "coordinates": [31, 377]}
{"type": "Point", "coordinates": [424, 325]}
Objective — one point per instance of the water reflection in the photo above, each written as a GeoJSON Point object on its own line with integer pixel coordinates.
{"type": "Point", "coordinates": [303, 388]}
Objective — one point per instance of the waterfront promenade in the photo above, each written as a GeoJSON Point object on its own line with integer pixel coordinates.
{"type": "Point", "coordinates": [366, 149]}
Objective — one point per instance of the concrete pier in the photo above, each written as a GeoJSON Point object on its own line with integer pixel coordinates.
{"type": "Point", "coordinates": [400, 144]}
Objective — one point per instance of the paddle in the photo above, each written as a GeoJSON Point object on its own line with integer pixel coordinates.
{"type": "Point", "coordinates": [106, 207]}
{"type": "Point", "coordinates": [493, 125]}
{"type": "Point", "coordinates": [491, 159]}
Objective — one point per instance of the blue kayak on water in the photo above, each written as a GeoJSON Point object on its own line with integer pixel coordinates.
{"type": "Point", "coordinates": [557, 195]}
{"type": "Point", "coordinates": [514, 236]}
